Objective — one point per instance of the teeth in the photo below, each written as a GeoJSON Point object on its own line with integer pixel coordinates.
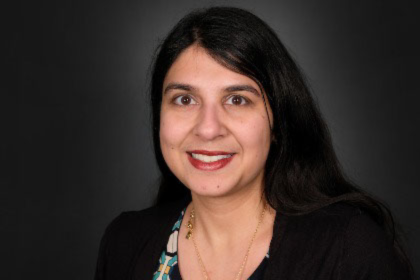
{"type": "Point", "coordinates": [209, 158]}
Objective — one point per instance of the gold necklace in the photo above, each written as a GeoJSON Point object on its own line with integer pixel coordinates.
{"type": "Point", "coordinates": [190, 235]}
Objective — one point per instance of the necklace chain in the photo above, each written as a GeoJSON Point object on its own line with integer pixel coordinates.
{"type": "Point", "coordinates": [190, 235]}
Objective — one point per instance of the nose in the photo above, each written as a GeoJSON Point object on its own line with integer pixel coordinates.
{"type": "Point", "coordinates": [210, 124]}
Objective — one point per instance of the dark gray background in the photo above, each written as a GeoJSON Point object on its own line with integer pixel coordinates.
{"type": "Point", "coordinates": [82, 145]}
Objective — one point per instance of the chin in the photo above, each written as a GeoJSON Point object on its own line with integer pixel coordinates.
{"type": "Point", "coordinates": [207, 190]}
{"type": "Point", "coordinates": [211, 189]}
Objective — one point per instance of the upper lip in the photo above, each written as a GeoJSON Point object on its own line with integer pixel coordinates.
{"type": "Point", "coordinates": [209, 153]}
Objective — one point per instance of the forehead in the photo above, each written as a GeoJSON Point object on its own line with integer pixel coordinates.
{"type": "Point", "coordinates": [196, 67]}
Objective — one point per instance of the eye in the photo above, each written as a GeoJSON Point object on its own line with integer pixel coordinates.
{"type": "Point", "coordinates": [184, 100]}
{"type": "Point", "coordinates": [237, 100]}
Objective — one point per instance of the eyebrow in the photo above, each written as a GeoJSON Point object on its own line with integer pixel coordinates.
{"type": "Point", "coordinates": [233, 88]}
{"type": "Point", "coordinates": [243, 88]}
{"type": "Point", "coordinates": [173, 86]}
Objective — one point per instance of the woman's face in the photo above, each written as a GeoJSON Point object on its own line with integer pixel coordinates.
{"type": "Point", "coordinates": [214, 129]}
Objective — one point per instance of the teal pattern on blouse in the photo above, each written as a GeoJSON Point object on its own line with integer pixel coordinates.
{"type": "Point", "coordinates": [168, 262]}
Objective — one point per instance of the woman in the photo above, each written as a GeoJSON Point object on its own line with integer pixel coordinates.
{"type": "Point", "coordinates": [250, 187]}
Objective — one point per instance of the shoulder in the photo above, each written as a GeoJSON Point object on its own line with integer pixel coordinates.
{"type": "Point", "coordinates": [369, 251]}
{"type": "Point", "coordinates": [350, 227]}
{"type": "Point", "coordinates": [141, 223]}
{"type": "Point", "coordinates": [356, 227]}
{"type": "Point", "coordinates": [340, 240]}
{"type": "Point", "coordinates": [131, 233]}
{"type": "Point", "coordinates": [330, 220]}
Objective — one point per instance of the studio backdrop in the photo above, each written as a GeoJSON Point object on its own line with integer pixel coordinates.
{"type": "Point", "coordinates": [83, 144]}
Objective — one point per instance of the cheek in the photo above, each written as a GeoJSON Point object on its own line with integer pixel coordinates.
{"type": "Point", "coordinates": [168, 142]}
{"type": "Point", "coordinates": [172, 132]}
{"type": "Point", "coordinates": [254, 135]}
{"type": "Point", "coordinates": [164, 134]}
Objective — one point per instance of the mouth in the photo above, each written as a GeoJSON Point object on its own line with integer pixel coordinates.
{"type": "Point", "coordinates": [209, 160]}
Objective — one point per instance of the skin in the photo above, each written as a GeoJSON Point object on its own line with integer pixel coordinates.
{"type": "Point", "coordinates": [206, 106]}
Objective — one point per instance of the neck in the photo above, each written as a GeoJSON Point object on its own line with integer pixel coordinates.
{"type": "Point", "coordinates": [224, 220]}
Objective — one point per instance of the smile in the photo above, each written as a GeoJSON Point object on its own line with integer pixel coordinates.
{"type": "Point", "coordinates": [209, 161]}
{"type": "Point", "coordinates": [209, 158]}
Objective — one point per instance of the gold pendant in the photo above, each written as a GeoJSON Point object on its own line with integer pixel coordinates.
{"type": "Point", "coordinates": [190, 229]}
{"type": "Point", "coordinates": [189, 234]}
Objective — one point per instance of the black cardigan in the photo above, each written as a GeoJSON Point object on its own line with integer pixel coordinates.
{"type": "Point", "coordinates": [336, 242]}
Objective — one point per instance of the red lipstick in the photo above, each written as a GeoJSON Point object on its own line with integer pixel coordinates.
{"type": "Point", "coordinates": [209, 166]}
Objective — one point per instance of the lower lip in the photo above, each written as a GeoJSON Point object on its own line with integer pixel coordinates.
{"type": "Point", "coordinates": [209, 166]}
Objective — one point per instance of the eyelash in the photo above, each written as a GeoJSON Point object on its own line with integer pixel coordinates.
{"type": "Point", "coordinates": [180, 97]}
{"type": "Point", "coordinates": [245, 100]}
{"type": "Point", "coordinates": [176, 100]}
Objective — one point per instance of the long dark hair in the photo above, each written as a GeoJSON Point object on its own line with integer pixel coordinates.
{"type": "Point", "coordinates": [302, 173]}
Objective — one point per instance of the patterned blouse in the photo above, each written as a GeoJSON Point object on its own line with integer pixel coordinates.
{"type": "Point", "coordinates": [168, 263]}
